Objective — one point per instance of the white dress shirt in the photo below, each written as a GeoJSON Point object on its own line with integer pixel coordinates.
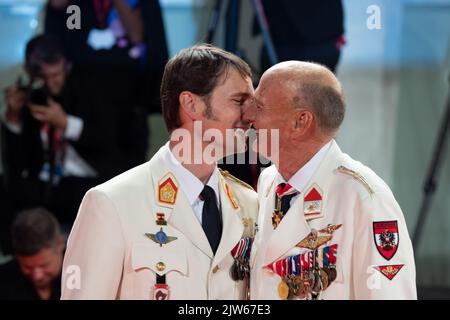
{"type": "Point", "coordinates": [190, 184]}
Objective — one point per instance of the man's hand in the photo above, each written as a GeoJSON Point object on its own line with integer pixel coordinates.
{"type": "Point", "coordinates": [15, 100]}
{"type": "Point", "coordinates": [53, 114]}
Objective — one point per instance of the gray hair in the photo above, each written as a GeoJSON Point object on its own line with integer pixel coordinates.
{"type": "Point", "coordinates": [326, 102]}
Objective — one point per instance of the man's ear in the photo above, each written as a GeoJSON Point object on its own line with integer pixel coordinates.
{"type": "Point", "coordinates": [303, 122]}
{"type": "Point", "coordinates": [189, 105]}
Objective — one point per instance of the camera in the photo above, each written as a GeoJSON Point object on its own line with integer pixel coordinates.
{"type": "Point", "coordinates": [39, 97]}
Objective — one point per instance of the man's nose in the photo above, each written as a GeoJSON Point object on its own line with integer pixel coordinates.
{"type": "Point", "coordinates": [37, 274]}
{"type": "Point", "coordinates": [249, 113]}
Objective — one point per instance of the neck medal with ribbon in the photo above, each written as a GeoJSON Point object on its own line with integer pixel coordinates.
{"type": "Point", "coordinates": [240, 269]}
{"type": "Point", "coordinates": [308, 274]}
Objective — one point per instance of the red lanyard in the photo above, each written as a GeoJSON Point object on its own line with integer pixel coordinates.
{"type": "Point", "coordinates": [101, 10]}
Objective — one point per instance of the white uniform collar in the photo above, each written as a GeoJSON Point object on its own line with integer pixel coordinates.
{"type": "Point", "coordinates": [189, 183]}
{"type": "Point", "coordinates": [301, 178]}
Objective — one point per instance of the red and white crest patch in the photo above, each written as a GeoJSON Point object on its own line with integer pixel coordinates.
{"type": "Point", "coordinates": [312, 202]}
{"type": "Point", "coordinates": [386, 238]}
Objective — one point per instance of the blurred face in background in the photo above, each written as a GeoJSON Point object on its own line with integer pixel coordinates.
{"type": "Point", "coordinates": [44, 266]}
{"type": "Point", "coordinates": [54, 76]}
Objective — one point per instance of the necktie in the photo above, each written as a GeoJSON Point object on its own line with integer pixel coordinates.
{"type": "Point", "coordinates": [211, 219]}
{"type": "Point", "coordinates": [284, 194]}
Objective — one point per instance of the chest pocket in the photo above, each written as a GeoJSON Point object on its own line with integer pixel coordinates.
{"type": "Point", "coordinates": [161, 260]}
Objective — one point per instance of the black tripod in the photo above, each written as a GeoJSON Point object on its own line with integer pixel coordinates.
{"type": "Point", "coordinates": [433, 171]}
{"type": "Point", "coordinates": [232, 26]}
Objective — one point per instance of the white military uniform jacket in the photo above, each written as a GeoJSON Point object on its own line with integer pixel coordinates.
{"type": "Point", "coordinates": [360, 206]}
{"type": "Point", "coordinates": [110, 253]}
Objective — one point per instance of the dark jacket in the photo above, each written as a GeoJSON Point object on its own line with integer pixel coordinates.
{"type": "Point", "coordinates": [15, 286]}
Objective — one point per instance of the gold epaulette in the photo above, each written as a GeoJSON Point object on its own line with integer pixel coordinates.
{"type": "Point", "coordinates": [226, 174]}
{"type": "Point", "coordinates": [356, 176]}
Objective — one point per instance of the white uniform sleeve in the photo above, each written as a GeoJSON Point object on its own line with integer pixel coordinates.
{"type": "Point", "coordinates": [373, 269]}
{"type": "Point", "coordinates": [93, 262]}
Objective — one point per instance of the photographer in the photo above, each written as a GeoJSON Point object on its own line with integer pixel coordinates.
{"type": "Point", "coordinates": [59, 138]}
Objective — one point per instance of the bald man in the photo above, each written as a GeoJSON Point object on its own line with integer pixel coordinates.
{"type": "Point", "coordinates": [329, 227]}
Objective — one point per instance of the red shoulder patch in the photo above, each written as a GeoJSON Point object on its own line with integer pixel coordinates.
{"type": "Point", "coordinates": [386, 237]}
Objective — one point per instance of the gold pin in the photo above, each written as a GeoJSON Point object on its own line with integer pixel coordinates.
{"type": "Point", "coordinates": [247, 222]}
{"type": "Point", "coordinates": [160, 266]}
{"type": "Point", "coordinates": [331, 228]}
{"type": "Point", "coordinates": [314, 240]}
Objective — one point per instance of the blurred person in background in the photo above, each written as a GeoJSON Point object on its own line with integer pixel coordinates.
{"type": "Point", "coordinates": [305, 31]}
{"type": "Point", "coordinates": [124, 40]}
{"type": "Point", "coordinates": [60, 135]}
{"type": "Point", "coordinates": [35, 271]}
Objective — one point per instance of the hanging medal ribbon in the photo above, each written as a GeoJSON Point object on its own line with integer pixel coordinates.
{"type": "Point", "coordinates": [161, 289]}
{"type": "Point", "coordinates": [241, 254]}
{"type": "Point", "coordinates": [306, 275]}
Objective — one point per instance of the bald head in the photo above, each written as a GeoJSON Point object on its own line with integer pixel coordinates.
{"type": "Point", "coordinates": [312, 86]}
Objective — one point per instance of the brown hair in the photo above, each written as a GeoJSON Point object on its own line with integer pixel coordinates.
{"type": "Point", "coordinates": [197, 69]}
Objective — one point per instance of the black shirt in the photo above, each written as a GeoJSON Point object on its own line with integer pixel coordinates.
{"type": "Point", "coordinates": [15, 286]}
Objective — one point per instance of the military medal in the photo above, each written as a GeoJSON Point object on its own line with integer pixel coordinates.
{"type": "Point", "coordinates": [283, 290]}
{"type": "Point", "coordinates": [308, 283]}
{"type": "Point", "coordinates": [160, 237]}
{"type": "Point", "coordinates": [276, 218]}
{"type": "Point", "coordinates": [308, 274]}
{"type": "Point", "coordinates": [161, 219]}
{"type": "Point", "coordinates": [332, 274]}
{"type": "Point", "coordinates": [240, 269]}
{"type": "Point", "coordinates": [277, 214]}
{"type": "Point", "coordinates": [284, 193]}
{"type": "Point", "coordinates": [329, 262]}
{"type": "Point", "coordinates": [299, 287]}
{"type": "Point", "coordinates": [323, 279]}
{"type": "Point", "coordinates": [161, 289]}
{"type": "Point", "coordinates": [280, 267]}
